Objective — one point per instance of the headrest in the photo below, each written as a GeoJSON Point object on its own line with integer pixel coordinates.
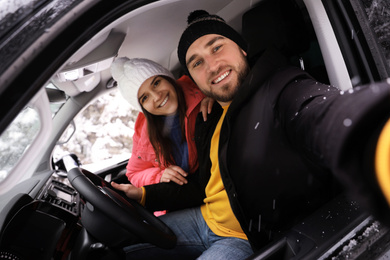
{"type": "Point", "coordinates": [277, 23]}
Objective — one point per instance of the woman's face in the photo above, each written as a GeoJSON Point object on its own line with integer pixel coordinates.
{"type": "Point", "coordinates": [158, 96]}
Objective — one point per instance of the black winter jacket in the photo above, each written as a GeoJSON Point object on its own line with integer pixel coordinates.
{"type": "Point", "coordinates": [282, 136]}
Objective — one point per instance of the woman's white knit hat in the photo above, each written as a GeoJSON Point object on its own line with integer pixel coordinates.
{"type": "Point", "coordinates": [131, 73]}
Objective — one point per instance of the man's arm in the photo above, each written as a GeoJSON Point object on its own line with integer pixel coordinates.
{"type": "Point", "coordinates": [166, 195]}
{"type": "Point", "coordinates": [340, 130]}
{"type": "Point", "coordinates": [171, 196]}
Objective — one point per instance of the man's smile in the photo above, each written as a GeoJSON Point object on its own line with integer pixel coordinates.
{"type": "Point", "coordinates": [221, 77]}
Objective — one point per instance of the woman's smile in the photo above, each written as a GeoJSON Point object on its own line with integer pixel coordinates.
{"type": "Point", "coordinates": [164, 101]}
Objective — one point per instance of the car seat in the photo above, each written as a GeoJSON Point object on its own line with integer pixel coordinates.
{"type": "Point", "coordinates": [281, 24]}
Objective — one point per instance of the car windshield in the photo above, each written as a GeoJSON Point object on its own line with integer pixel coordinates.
{"type": "Point", "coordinates": [101, 134]}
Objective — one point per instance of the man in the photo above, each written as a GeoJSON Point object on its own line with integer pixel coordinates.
{"type": "Point", "coordinates": [266, 150]}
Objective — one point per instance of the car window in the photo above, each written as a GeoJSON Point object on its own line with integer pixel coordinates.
{"type": "Point", "coordinates": [378, 13]}
{"type": "Point", "coordinates": [377, 18]}
{"type": "Point", "coordinates": [17, 138]}
{"type": "Point", "coordinates": [20, 134]}
{"type": "Point", "coordinates": [103, 133]}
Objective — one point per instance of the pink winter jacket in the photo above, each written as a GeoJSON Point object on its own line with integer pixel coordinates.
{"type": "Point", "coordinates": [143, 168]}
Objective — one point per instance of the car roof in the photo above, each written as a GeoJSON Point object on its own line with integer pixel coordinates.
{"type": "Point", "coordinates": [162, 24]}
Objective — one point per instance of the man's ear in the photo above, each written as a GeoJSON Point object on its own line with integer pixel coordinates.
{"type": "Point", "coordinates": [243, 52]}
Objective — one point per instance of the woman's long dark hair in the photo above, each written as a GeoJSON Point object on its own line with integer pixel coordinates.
{"type": "Point", "coordinates": [162, 144]}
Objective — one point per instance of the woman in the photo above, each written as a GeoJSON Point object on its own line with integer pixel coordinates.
{"type": "Point", "coordinates": [163, 143]}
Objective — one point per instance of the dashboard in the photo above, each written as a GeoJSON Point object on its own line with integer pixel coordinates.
{"type": "Point", "coordinates": [60, 193]}
{"type": "Point", "coordinates": [42, 219]}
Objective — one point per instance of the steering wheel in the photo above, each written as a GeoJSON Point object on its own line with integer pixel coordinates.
{"type": "Point", "coordinates": [122, 211]}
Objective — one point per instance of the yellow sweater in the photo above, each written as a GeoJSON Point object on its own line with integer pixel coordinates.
{"type": "Point", "coordinates": [217, 211]}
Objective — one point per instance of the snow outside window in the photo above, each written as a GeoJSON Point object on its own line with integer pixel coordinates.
{"type": "Point", "coordinates": [104, 131]}
{"type": "Point", "coordinates": [17, 138]}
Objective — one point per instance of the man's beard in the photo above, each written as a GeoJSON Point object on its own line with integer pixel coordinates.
{"type": "Point", "coordinates": [227, 92]}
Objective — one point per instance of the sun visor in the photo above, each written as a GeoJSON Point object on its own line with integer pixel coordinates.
{"type": "Point", "coordinates": [84, 75]}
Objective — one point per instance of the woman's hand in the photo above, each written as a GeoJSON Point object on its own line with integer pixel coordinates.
{"type": "Point", "coordinates": [205, 107]}
{"type": "Point", "coordinates": [174, 173]}
{"type": "Point", "coordinates": [130, 190]}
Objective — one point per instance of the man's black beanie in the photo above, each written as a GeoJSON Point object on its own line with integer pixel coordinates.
{"type": "Point", "coordinates": [201, 23]}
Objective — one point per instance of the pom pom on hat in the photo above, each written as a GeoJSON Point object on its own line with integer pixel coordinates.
{"type": "Point", "coordinates": [201, 23]}
{"type": "Point", "coordinates": [131, 73]}
{"type": "Point", "coordinates": [196, 15]}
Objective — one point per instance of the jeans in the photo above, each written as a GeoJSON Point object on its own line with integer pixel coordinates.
{"type": "Point", "coordinates": [195, 240]}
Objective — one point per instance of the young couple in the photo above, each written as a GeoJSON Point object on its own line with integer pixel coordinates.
{"type": "Point", "coordinates": [267, 152]}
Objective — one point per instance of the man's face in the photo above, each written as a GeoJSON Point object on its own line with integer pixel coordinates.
{"type": "Point", "coordinates": [218, 66]}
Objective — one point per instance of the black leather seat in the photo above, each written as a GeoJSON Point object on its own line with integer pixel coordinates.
{"type": "Point", "coordinates": [281, 24]}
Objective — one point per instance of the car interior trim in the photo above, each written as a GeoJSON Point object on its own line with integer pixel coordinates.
{"type": "Point", "coordinates": [333, 58]}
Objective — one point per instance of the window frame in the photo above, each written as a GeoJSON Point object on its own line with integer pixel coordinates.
{"type": "Point", "coordinates": [356, 43]}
